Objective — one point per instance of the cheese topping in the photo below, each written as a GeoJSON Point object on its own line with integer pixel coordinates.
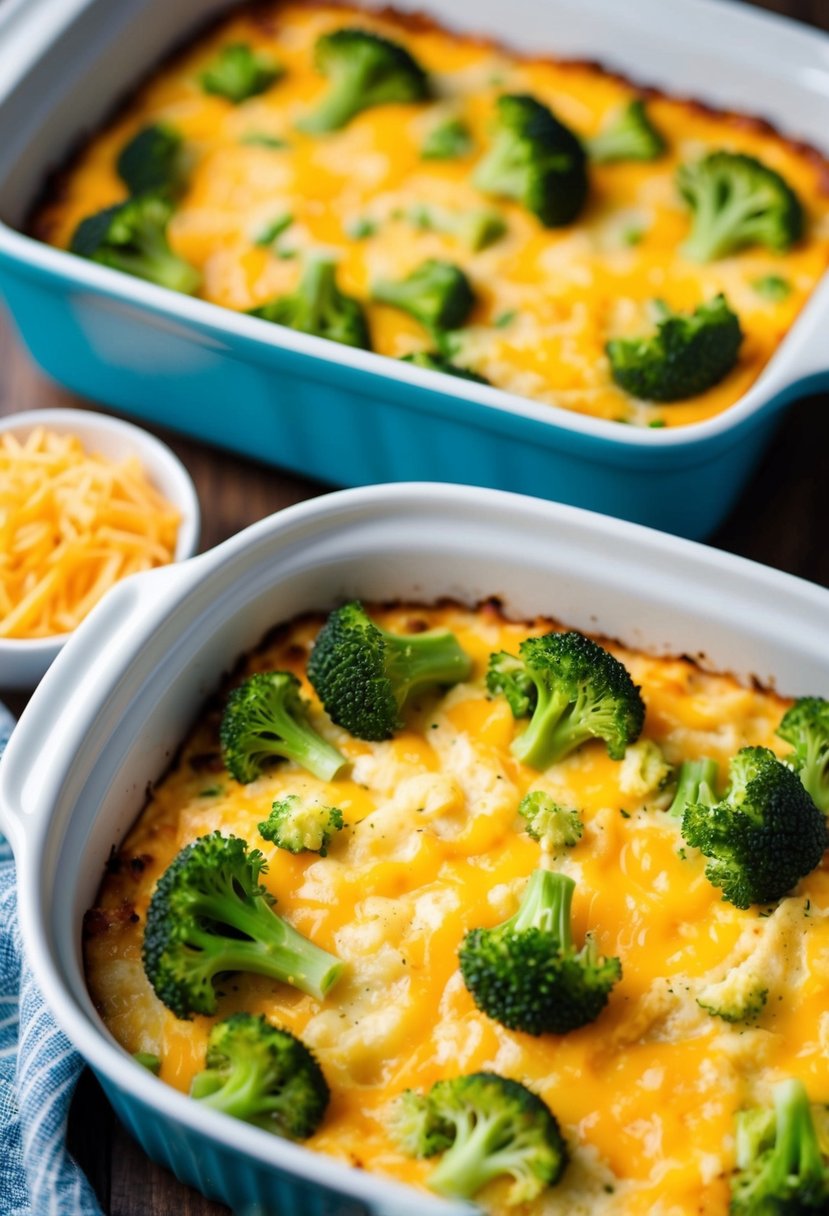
{"type": "Point", "coordinates": [548, 299]}
{"type": "Point", "coordinates": [432, 847]}
{"type": "Point", "coordinates": [71, 524]}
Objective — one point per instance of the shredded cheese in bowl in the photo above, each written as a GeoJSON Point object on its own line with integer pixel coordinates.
{"type": "Point", "coordinates": [72, 523]}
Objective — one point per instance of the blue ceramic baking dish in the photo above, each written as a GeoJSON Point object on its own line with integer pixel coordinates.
{"type": "Point", "coordinates": [350, 417]}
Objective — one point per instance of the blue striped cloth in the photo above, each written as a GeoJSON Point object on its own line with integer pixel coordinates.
{"type": "Point", "coordinates": [38, 1072]}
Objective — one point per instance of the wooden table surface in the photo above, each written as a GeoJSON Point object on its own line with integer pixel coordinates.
{"type": "Point", "coordinates": [781, 520]}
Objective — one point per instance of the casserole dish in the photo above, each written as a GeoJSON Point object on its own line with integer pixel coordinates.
{"type": "Point", "coordinates": [339, 414]}
{"type": "Point", "coordinates": [139, 668]}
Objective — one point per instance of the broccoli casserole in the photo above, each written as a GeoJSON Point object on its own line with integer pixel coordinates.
{"type": "Point", "coordinates": [543, 226]}
{"type": "Point", "coordinates": [495, 909]}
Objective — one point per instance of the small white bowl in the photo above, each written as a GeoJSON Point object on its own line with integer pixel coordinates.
{"type": "Point", "coordinates": [23, 661]}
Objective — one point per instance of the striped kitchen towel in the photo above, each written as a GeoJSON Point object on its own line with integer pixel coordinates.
{"type": "Point", "coordinates": [38, 1072]}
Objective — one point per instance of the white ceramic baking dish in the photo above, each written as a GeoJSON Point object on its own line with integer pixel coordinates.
{"type": "Point", "coordinates": [110, 712]}
{"type": "Point", "coordinates": [348, 416]}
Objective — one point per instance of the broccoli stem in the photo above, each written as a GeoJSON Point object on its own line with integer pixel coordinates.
{"type": "Point", "coordinates": [302, 744]}
{"type": "Point", "coordinates": [415, 660]}
{"type": "Point", "coordinates": [797, 1151]}
{"type": "Point", "coordinates": [472, 1161]}
{"type": "Point", "coordinates": [697, 783]}
{"type": "Point", "coordinates": [274, 948]}
{"type": "Point", "coordinates": [237, 1094]}
{"type": "Point", "coordinates": [712, 236]}
{"type": "Point", "coordinates": [343, 101]}
{"type": "Point", "coordinates": [545, 905]}
{"type": "Point", "coordinates": [556, 728]}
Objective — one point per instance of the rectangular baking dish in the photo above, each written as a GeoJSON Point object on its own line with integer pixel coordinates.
{"type": "Point", "coordinates": [112, 709]}
{"type": "Point", "coordinates": [347, 416]}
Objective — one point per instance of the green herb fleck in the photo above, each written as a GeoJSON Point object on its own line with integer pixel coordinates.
{"type": "Point", "coordinates": [361, 227]}
{"type": "Point", "coordinates": [504, 318]}
{"type": "Point", "coordinates": [274, 229]}
{"type": "Point", "coordinates": [261, 139]}
{"type": "Point", "coordinates": [656, 423]}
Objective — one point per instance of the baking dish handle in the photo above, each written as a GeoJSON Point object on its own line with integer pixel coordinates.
{"type": "Point", "coordinates": [40, 754]}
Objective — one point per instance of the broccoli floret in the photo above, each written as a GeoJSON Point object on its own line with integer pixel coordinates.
{"type": "Point", "coordinates": [477, 228]}
{"type": "Point", "coordinates": [740, 997]}
{"type": "Point", "coordinates": [781, 1170]}
{"type": "Point", "coordinates": [449, 140]}
{"type": "Point", "coordinates": [696, 782]}
{"type": "Point", "coordinates": [153, 159]}
{"type": "Point", "coordinates": [527, 974]}
{"type": "Point", "coordinates": [487, 1127]}
{"type": "Point", "coordinates": [319, 307]}
{"type": "Point", "coordinates": [508, 675]}
{"type": "Point", "coordinates": [555, 827]}
{"type": "Point", "coordinates": [536, 161]}
{"type": "Point", "coordinates": [737, 201]}
{"type": "Point", "coordinates": [437, 294]}
{"type": "Point", "coordinates": [266, 718]}
{"type": "Point", "coordinates": [806, 727]}
{"type": "Point", "coordinates": [237, 73]}
{"type": "Point", "coordinates": [627, 135]}
{"type": "Point", "coordinates": [210, 914]}
{"type": "Point", "coordinates": [763, 837]}
{"type": "Point", "coordinates": [263, 1075]}
{"type": "Point", "coordinates": [688, 354]}
{"type": "Point", "coordinates": [365, 675]}
{"type": "Point", "coordinates": [132, 237]}
{"type": "Point", "coordinates": [364, 70]}
{"type": "Point", "coordinates": [574, 690]}
{"type": "Point", "coordinates": [301, 826]}
{"type": "Point", "coordinates": [439, 363]}
{"type": "Point", "coordinates": [644, 769]}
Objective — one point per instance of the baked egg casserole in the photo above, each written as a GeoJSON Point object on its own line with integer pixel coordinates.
{"type": "Point", "coordinates": [492, 908]}
{"type": "Point", "coordinates": [545, 227]}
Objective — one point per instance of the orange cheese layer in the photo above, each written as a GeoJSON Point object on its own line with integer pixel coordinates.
{"type": "Point", "coordinates": [559, 294]}
{"type": "Point", "coordinates": [433, 846]}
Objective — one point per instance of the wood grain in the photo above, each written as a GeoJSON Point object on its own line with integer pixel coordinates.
{"type": "Point", "coordinates": [781, 520]}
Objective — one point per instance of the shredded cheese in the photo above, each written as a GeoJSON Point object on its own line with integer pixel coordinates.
{"type": "Point", "coordinates": [72, 523]}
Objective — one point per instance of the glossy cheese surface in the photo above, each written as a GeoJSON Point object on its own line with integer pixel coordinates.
{"type": "Point", "coordinates": [548, 300]}
{"type": "Point", "coordinates": [433, 846]}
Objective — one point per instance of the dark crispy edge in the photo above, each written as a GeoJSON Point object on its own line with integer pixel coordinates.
{"type": "Point", "coordinates": [265, 13]}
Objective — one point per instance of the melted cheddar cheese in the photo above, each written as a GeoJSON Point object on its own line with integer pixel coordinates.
{"type": "Point", "coordinates": [433, 846]}
{"type": "Point", "coordinates": [548, 300]}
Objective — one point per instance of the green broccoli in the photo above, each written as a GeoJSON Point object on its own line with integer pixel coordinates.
{"type": "Point", "coordinates": [737, 201]}
{"type": "Point", "coordinates": [688, 354]}
{"type": "Point", "coordinates": [806, 727]}
{"type": "Point", "coordinates": [628, 134]}
{"type": "Point", "coordinates": [449, 140]}
{"type": "Point", "coordinates": [434, 362]}
{"type": "Point", "coordinates": [266, 718]}
{"type": "Point", "coordinates": [526, 973]}
{"type": "Point", "coordinates": [364, 70]}
{"type": "Point", "coordinates": [477, 228]}
{"type": "Point", "coordinates": [237, 73]}
{"type": "Point", "coordinates": [740, 997]}
{"type": "Point", "coordinates": [264, 1075]}
{"type": "Point", "coordinates": [210, 914]}
{"type": "Point", "coordinates": [763, 837]}
{"type": "Point", "coordinates": [573, 690]}
{"type": "Point", "coordinates": [781, 1170]}
{"type": "Point", "coordinates": [365, 675]}
{"type": "Point", "coordinates": [536, 161]}
{"type": "Point", "coordinates": [508, 675]}
{"type": "Point", "coordinates": [555, 827]}
{"type": "Point", "coordinates": [154, 159]}
{"type": "Point", "coordinates": [437, 294]}
{"type": "Point", "coordinates": [273, 230]}
{"type": "Point", "coordinates": [319, 307]}
{"type": "Point", "coordinates": [301, 825]}
{"type": "Point", "coordinates": [148, 1060]}
{"type": "Point", "coordinates": [487, 1127]}
{"type": "Point", "coordinates": [132, 237]}
{"type": "Point", "coordinates": [644, 770]}
{"type": "Point", "coordinates": [696, 782]}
